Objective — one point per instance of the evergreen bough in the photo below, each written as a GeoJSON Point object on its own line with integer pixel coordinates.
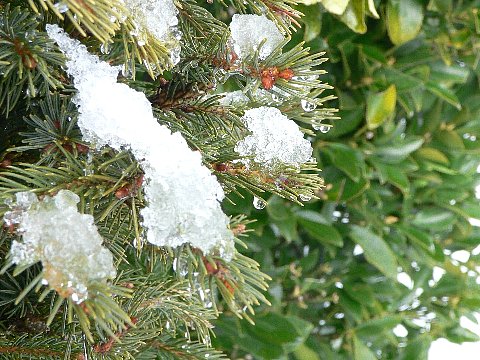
{"type": "Point", "coordinates": [162, 300]}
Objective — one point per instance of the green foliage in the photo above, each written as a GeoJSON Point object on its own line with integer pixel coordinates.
{"type": "Point", "coordinates": [163, 301]}
{"type": "Point", "coordinates": [400, 169]}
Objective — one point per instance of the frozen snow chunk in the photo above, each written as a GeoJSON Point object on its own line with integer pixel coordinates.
{"type": "Point", "coordinates": [275, 140]}
{"type": "Point", "coordinates": [233, 98]}
{"type": "Point", "coordinates": [65, 241]}
{"type": "Point", "coordinates": [248, 32]}
{"type": "Point", "coordinates": [159, 18]}
{"type": "Point", "coordinates": [183, 197]}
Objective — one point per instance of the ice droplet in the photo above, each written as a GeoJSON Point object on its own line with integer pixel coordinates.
{"type": "Point", "coordinates": [62, 7]}
{"type": "Point", "coordinates": [104, 49]}
{"type": "Point", "coordinates": [307, 105]}
{"type": "Point", "coordinates": [258, 203]}
{"type": "Point", "coordinates": [304, 197]}
{"type": "Point", "coordinates": [324, 129]}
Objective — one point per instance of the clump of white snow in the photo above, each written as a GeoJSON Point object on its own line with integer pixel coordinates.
{"type": "Point", "coordinates": [275, 140]}
{"type": "Point", "coordinates": [248, 32]}
{"type": "Point", "coordinates": [183, 196]}
{"type": "Point", "coordinates": [159, 18]}
{"type": "Point", "coordinates": [65, 241]}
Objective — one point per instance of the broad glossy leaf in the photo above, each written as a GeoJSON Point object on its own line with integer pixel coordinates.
{"type": "Point", "coordinates": [346, 159]}
{"type": "Point", "coordinates": [434, 219]}
{"type": "Point", "coordinates": [312, 21]}
{"type": "Point", "coordinates": [417, 349]}
{"type": "Point", "coordinates": [432, 154]}
{"type": "Point", "coordinates": [376, 250]}
{"type": "Point", "coordinates": [450, 138]}
{"type": "Point", "coordinates": [394, 175]}
{"type": "Point", "coordinates": [336, 7]}
{"type": "Point", "coordinates": [326, 234]}
{"type": "Point", "coordinates": [381, 106]}
{"type": "Point", "coordinates": [459, 335]}
{"type": "Point", "coordinates": [377, 326]}
{"type": "Point", "coordinates": [419, 237]}
{"type": "Point", "coordinates": [354, 16]}
{"type": "Point", "coordinates": [442, 6]}
{"type": "Point", "coordinates": [371, 9]}
{"type": "Point", "coordinates": [350, 306]}
{"type": "Point", "coordinates": [440, 72]}
{"type": "Point", "coordinates": [399, 150]}
{"type": "Point", "coordinates": [272, 337]}
{"type": "Point", "coordinates": [361, 351]}
{"type": "Point", "coordinates": [404, 20]}
{"type": "Point", "coordinates": [402, 81]}
{"type": "Point", "coordinates": [444, 93]}
{"type": "Point", "coordinates": [304, 352]}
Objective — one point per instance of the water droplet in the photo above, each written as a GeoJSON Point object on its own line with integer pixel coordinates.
{"type": "Point", "coordinates": [258, 203]}
{"type": "Point", "coordinates": [276, 98]}
{"type": "Point", "coordinates": [324, 129]}
{"type": "Point", "coordinates": [304, 197]}
{"type": "Point", "coordinates": [127, 70]}
{"type": "Point", "coordinates": [62, 7]}
{"type": "Point", "coordinates": [104, 49]}
{"type": "Point", "coordinates": [307, 105]}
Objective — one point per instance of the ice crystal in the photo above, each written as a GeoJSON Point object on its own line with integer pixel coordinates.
{"type": "Point", "coordinates": [182, 194]}
{"type": "Point", "coordinates": [233, 98]}
{"type": "Point", "coordinates": [65, 241]}
{"type": "Point", "coordinates": [249, 31]}
{"type": "Point", "coordinates": [275, 140]}
{"type": "Point", "coordinates": [159, 18]}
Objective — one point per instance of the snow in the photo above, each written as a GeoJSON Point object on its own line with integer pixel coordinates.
{"type": "Point", "coordinates": [275, 140]}
{"type": "Point", "coordinates": [183, 196]}
{"type": "Point", "coordinates": [65, 241]}
{"type": "Point", "coordinates": [248, 32]}
{"type": "Point", "coordinates": [159, 18]}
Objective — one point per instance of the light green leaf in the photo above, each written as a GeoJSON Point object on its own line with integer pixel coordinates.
{"type": "Point", "coordinates": [376, 250]}
{"type": "Point", "coordinates": [371, 9]}
{"type": "Point", "coordinates": [304, 352]}
{"type": "Point", "coordinates": [381, 107]}
{"type": "Point", "coordinates": [400, 150]}
{"type": "Point", "coordinates": [361, 351]}
{"type": "Point", "coordinates": [323, 233]}
{"type": "Point", "coordinates": [431, 154]}
{"type": "Point", "coordinates": [451, 139]}
{"type": "Point", "coordinates": [346, 159]}
{"type": "Point", "coordinates": [354, 16]}
{"type": "Point", "coordinates": [444, 93]}
{"type": "Point", "coordinates": [336, 7]}
{"type": "Point", "coordinates": [378, 325]}
{"type": "Point", "coordinates": [404, 20]}
{"type": "Point", "coordinates": [434, 219]}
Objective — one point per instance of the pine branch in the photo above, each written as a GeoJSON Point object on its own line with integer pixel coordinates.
{"type": "Point", "coordinates": [36, 347]}
{"type": "Point", "coordinates": [171, 349]}
{"type": "Point", "coordinates": [28, 59]}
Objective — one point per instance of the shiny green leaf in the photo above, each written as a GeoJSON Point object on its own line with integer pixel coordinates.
{"type": "Point", "coordinates": [404, 20]}
{"type": "Point", "coordinates": [381, 106]}
{"type": "Point", "coordinates": [376, 250]}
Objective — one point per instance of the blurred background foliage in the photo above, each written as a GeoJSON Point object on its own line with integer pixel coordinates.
{"type": "Point", "coordinates": [382, 263]}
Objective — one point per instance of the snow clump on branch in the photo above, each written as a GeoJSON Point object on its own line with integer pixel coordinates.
{"type": "Point", "coordinates": [249, 31]}
{"type": "Point", "coordinates": [183, 196]}
{"type": "Point", "coordinates": [275, 140]}
{"type": "Point", "coordinates": [66, 242]}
